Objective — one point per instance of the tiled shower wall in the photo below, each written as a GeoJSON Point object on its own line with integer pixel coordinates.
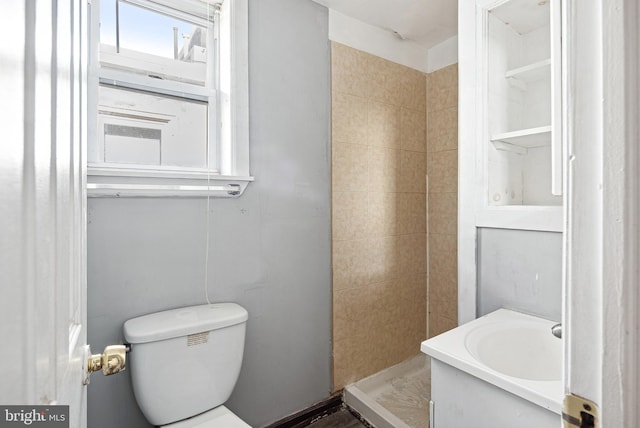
{"type": "Point", "coordinates": [379, 213]}
{"type": "Point", "coordinates": [442, 169]}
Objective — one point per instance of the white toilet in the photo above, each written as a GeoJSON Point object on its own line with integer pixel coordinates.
{"type": "Point", "coordinates": [185, 363]}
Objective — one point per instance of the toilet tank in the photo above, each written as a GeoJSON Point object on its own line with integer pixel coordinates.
{"type": "Point", "coordinates": [185, 361]}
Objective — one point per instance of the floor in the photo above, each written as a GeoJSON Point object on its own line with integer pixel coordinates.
{"type": "Point", "coordinates": [340, 419]}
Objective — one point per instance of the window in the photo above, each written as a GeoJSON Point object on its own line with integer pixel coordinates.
{"type": "Point", "coordinates": [169, 105]}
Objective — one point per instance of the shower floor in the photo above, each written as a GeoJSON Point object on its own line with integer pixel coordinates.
{"type": "Point", "coordinates": [396, 397]}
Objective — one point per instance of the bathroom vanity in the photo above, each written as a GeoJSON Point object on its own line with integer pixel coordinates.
{"type": "Point", "coordinates": [500, 370]}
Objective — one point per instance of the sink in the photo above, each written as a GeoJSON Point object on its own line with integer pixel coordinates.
{"type": "Point", "coordinates": [525, 350]}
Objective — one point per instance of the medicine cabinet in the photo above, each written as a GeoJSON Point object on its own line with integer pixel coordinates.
{"type": "Point", "coordinates": [519, 117]}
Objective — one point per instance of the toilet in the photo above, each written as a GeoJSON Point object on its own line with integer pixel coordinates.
{"type": "Point", "coordinates": [185, 363]}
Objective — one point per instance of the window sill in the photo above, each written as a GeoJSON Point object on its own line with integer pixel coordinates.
{"type": "Point", "coordinates": [126, 182]}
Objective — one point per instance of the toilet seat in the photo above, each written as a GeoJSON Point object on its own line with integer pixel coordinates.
{"type": "Point", "coordinates": [220, 417]}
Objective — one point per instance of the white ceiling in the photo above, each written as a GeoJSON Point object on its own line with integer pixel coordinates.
{"type": "Point", "coordinates": [426, 22]}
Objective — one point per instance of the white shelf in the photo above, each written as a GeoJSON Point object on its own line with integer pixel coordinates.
{"type": "Point", "coordinates": [524, 138]}
{"type": "Point", "coordinates": [523, 16]}
{"type": "Point", "coordinates": [532, 72]}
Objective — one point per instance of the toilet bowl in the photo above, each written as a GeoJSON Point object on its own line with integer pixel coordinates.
{"type": "Point", "coordinates": [185, 363]}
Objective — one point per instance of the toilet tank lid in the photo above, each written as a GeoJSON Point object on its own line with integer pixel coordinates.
{"type": "Point", "coordinates": [183, 322]}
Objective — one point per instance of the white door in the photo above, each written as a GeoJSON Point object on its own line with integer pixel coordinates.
{"type": "Point", "coordinates": [603, 236]}
{"type": "Point", "coordinates": [42, 208]}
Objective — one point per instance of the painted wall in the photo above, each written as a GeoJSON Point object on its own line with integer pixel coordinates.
{"type": "Point", "coordinates": [270, 249]}
{"type": "Point", "coordinates": [442, 170]}
{"type": "Point", "coordinates": [368, 38]}
{"type": "Point", "coordinates": [442, 55]}
{"type": "Point", "coordinates": [379, 218]}
{"type": "Point", "coordinates": [520, 270]}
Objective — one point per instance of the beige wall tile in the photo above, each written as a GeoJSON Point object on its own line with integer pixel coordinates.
{"type": "Point", "coordinates": [442, 169]}
{"type": "Point", "coordinates": [349, 172]}
{"type": "Point", "coordinates": [380, 140]}
{"type": "Point", "coordinates": [442, 130]}
{"type": "Point", "coordinates": [412, 253]}
{"type": "Point", "coordinates": [443, 267]}
{"type": "Point", "coordinates": [413, 171]}
{"type": "Point", "coordinates": [414, 89]}
{"type": "Point", "coordinates": [400, 323]}
{"type": "Point", "coordinates": [443, 294]}
{"type": "Point", "coordinates": [377, 71]}
{"type": "Point", "coordinates": [440, 98]}
{"type": "Point", "coordinates": [410, 319]}
{"type": "Point", "coordinates": [383, 169]}
{"type": "Point", "coordinates": [350, 264]}
{"type": "Point", "coordinates": [394, 83]}
{"type": "Point", "coordinates": [444, 203]}
{"type": "Point", "coordinates": [348, 119]}
{"type": "Point", "coordinates": [342, 373]}
{"type": "Point", "coordinates": [349, 358]}
{"type": "Point", "coordinates": [439, 325]}
{"type": "Point", "coordinates": [360, 353]}
{"type": "Point", "coordinates": [382, 213]}
{"type": "Point", "coordinates": [443, 213]}
{"type": "Point", "coordinates": [382, 341]}
{"type": "Point", "coordinates": [383, 258]}
{"type": "Point", "coordinates": [445, 77]}
{"type": "Point", "coordinates": [351, 305]}
{"type": "Point", "coordinates": [349, 215]}
{"type": "Point", "coordinates": [383, 122]}
{"type": "Point", "coordinates": [442, 88]}
{"type": "Point", "coordinates": [413, 128]}
{"type": "Point", "coordinates": [342, 313]}
{"type": "Point", "coordinates": [442, 143]}
{"type": "Point", "coordinates": [413, 302]}
{"type": "Point", "coordinates": [411, 213]}
{"type": "Point", "coordinates": [447, 308]}
{"type": "Point", "coordinates": [348, 70]}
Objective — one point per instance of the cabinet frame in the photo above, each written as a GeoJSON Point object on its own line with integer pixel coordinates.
{"type": "Point", "coordinates": [474, 136]}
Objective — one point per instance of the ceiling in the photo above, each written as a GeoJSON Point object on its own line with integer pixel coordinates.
{"type": "Point", "coordinates": [426, 22]}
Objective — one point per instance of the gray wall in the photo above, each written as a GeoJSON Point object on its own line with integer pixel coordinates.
{"type": "Point", "coordinates": [520, 270]}
{"type": "Point", "coordinates": [270, 249]}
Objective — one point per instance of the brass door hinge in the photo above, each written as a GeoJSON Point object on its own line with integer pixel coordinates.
{"type": "Point", "coordinates": [579, 412]}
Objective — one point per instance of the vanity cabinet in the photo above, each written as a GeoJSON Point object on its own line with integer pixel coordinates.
{"type": "Point", "coordinates": [462, 400]}
{"type": "Point", "coordinates": [517, 132]}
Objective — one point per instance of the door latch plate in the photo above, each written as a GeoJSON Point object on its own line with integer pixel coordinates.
{"type": "Point", "coordinates": [579, 412]}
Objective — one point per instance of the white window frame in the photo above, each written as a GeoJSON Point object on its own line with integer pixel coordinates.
{"type": "Point", "coordinates": [228, 173]}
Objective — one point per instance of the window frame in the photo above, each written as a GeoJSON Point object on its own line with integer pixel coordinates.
{"type": "Point", "coordinates": [228, 172]}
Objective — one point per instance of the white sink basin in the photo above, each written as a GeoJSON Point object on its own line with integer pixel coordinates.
{"type": "Point", "coordinates": [513, 351]}
{"type": "Point", "coordinates": [522, 349]}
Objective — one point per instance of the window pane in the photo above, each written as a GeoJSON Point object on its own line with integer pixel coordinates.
{"type": "Point", "coordinates": [108, 22]}
{"type": "Point", "coordinates": [152, 129]}
{"type": "Point", "coordinates": [152, 43]}
{"type": "Point", "coordinates": [147, 31]}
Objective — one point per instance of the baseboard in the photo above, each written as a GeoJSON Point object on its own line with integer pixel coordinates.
{"type": "Point", "coordinates": [310, 414]}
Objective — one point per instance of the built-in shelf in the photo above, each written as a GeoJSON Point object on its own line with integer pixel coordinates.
{"type": "Point", "coordinates": [531, 72]}
{"type": "Point", "coordinates": [523, 139]}
{"type": "Point", "coordinates": [519, 77]}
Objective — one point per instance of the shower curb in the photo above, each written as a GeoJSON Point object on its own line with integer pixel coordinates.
{"type": "Point", "coordinates": [370, 410]}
